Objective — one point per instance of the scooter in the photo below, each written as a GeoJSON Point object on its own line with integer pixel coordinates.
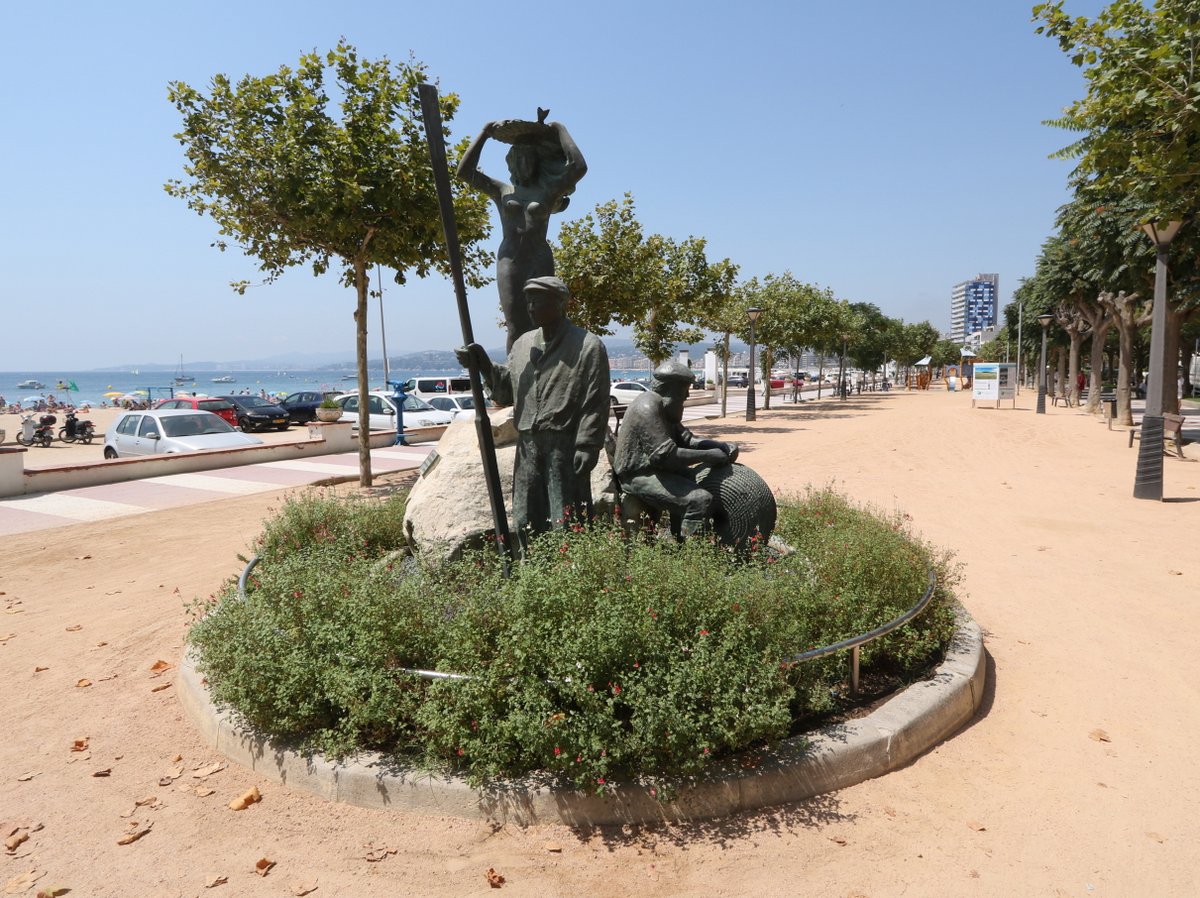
{"type": "Point", "coordinates": [76, 430]}
{"type": "Point", "coordinates": [32, 434]}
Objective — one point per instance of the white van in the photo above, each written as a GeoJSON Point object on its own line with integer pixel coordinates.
{"type": "Point", "coordinates": [429, 385]}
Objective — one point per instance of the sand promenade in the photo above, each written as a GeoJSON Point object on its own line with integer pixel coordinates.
{"type": "Point", "coordinates": [1076, 779]}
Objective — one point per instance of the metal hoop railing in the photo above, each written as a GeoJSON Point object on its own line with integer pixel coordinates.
{"type": "Point", "coordinates": [853, 643]}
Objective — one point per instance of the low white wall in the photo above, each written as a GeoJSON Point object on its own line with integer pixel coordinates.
{"type": "Point", "coordinates": [323, 439]}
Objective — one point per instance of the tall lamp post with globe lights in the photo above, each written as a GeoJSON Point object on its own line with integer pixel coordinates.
{"type": "Point", "coordinates": [1147, 483]}
{"type": "Point", "coordinates": [752, 313]}
{"type": "Point", "coordinates": [1044, 320]}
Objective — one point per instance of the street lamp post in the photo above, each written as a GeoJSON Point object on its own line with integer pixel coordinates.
{"type": "Point", "coordinates": [1044, 320]}
{"type": "Point", "coordinates": [752, 313]}
{"type": "Point", "coordinates": [1147, 483]}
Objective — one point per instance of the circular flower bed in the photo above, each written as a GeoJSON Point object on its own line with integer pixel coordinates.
{"type": "Point", "coordinates": [598, 659]}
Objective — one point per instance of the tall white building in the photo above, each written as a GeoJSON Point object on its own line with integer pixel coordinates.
{"type": "Point", "coordinates": [974, 306]}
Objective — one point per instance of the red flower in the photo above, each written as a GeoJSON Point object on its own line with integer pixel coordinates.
{"type": "Point", "coordinates": [600, 780]}
{"type": "Point", "coordinates": [557, 751]}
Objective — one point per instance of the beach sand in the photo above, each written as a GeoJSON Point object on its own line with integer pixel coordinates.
{"type": "Point", "coordinates": [1077, 778]}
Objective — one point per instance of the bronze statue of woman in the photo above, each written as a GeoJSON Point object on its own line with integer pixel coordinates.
{"type": "Point", "coordinates": [545, 165]}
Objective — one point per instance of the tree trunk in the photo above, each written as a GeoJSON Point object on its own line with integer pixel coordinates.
{"type": "Point", "coordinates": [725, 376]}
{"type": "Point", "coordinates": [768, 362]}
{"type": "Point", "coordinates": [1100, 324]}
{"type": "Point", "coordinates": [1060, 373]}
{"type": "Point", "coordinates": [1129, 313]}
{"type": "Point", "coordinates": [361, 285]}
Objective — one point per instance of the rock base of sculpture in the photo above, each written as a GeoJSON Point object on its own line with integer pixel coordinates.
{"type": "Point", "coordinates": [448, 511]}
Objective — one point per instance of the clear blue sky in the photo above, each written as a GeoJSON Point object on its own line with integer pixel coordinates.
{"type": "Point", "coordinates": [887, 150]}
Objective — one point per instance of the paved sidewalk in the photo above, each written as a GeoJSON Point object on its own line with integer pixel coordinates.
{"type": "Point", "coordinates": [43, 511]}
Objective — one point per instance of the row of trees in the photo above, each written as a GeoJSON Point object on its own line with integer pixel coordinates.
{"type": "Point", "coordinates": [327, 165]}
{"type": "Point", "coordinates": [1138, 160]}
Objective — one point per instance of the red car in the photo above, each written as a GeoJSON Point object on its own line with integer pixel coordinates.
{"type": "Point", "coordinates": [217, 406]}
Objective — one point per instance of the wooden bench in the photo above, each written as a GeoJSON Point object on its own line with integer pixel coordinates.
{"type": "Point", "coordinates": [1172, 430]}
{"type": "Point", "coordinates": [618, 413]}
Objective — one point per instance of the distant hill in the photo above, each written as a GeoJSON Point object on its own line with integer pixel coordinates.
{"type": "Point", "coordinates": [427, 360]}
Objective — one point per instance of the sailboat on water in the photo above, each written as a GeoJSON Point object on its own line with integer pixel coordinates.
{"type": "Point", "coordinates": [180, 377]}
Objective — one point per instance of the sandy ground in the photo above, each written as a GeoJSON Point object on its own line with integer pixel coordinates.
{"type": "Point", "coordinates": [1077, 778]}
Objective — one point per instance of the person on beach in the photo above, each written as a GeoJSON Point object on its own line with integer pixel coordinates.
{"type": "Point", "coordinates": [544, 165]}
{"type": "Point", "coordinates": [556, 379]}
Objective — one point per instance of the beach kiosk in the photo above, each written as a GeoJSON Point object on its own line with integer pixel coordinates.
{"type": "Point", "coordinates": [920, 380]}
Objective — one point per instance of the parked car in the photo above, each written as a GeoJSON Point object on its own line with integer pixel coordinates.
{"type": "Point", "coordinates": [382, 410]}
{"type": "Point", "coordinates": [302, 407]}
{"type": "Point", "coordinates": [624, 392]}
{"type": "Point", "coordinates": [256, 413]}
{"type": "Point", "coordinates": [460, 405]}
{"type": "Point", "coordinates": [738, 380]}
{"type": "Point", "coordinates": [214, 404]}
{"type": "Point", "coordinates": [429, 385]}
{"type": "Point", "coordinates": [167, 431]}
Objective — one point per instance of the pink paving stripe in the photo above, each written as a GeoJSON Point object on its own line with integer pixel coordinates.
{"type": "Point", "coordinates": [146, 494]}
{"type": "Point", "coordinates": [13, 520]}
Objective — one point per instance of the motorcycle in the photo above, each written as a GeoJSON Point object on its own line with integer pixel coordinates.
{"type": "Point", "coordinates": [32, 434]}
{"type": "Point", "coordinates": [76, 430]}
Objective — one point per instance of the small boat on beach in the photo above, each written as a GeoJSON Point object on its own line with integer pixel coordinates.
{"type": "Point", "coordinates": [31, 384]}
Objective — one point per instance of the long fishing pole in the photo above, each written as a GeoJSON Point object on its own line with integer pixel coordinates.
{"type": "Point", "coordinates": [483, 425]}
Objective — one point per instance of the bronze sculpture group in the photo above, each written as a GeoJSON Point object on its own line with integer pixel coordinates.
{"type": "Point", "coordinates": [557, 375]}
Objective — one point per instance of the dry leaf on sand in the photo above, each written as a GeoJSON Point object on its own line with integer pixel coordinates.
{"type": "Point", "coordinates": [377, 854]}
{"type": "Point", "coordinates": [11, 843]}
{"type": "Point", "coordinates": [304, 888]}
{"type": "Point", "coordinates": [1099, 735]}
{"type": "Point", "coordinates": [202, 772]}
{"type": "Point", "coordinates": [23, 883]}
{"type": "Point", "coordinates": [157, 668]}
{"type": "Point", "coordinates": [107, 771]}
{"type": "Point", "coordinates": [247, 798]}
{"type": "Point", "coordinates": [977, 826]}
{"type": "Point", "coordinates": [81, 744]}
{"type": "Point", "coordinates": [5, 637]}
{"type": "Point", "coordinates": [494, 879]}
{"type": "Point", "coordinates": [134, 831]}
{"type": "Point", "coordinates": [52, 891]}
{"type": "Point", "coordinates": [215, 881]}
{"type": "Point", "coordinates": [82, 684]}
{"type": "Point", "coordinates": [74, 627]}
{"type": "Point", "coordinates": [26, 777]}
{"type": "Point", "coordinates": [161, 688]}
{"type": "Point", "coordinates": [263, 867]}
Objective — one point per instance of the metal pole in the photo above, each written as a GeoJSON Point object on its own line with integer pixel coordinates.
{"type": "Point", "coordinates": [483, 423]}
{"type": "Point", "coordinates": [750, 413]}
{"type": "Point", "coordinates": [1020, 321]}
{"type": "Point", "coordinates": [1041, 400]}
{"type": "Point", "coordinates": [382, 334]}
{"type": "Point", "coordinates": [1148, 481]}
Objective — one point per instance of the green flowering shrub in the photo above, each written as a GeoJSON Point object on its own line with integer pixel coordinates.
{"type": "Point", "coordinates": [599, 659]}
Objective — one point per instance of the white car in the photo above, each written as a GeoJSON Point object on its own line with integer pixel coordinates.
{"type": "Point", "coordinates": [460, 405]}
{"type": "Point", "coordinates": [167, 431]}
{"type": "Point", "coordinates": [382, 409]}
{"type": "Point", "coordinates": [623, 392]}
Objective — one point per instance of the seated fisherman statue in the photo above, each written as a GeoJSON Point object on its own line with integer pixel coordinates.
{"type": "Point", "coordinates": [657, 456]}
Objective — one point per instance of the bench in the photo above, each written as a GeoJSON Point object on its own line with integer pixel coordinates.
{"type": "Point", "coordinates": [618, 412]}
{"type": "Point", "coordinates": [1172, 430]}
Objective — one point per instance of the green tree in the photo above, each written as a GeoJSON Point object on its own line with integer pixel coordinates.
{"type": "Point", "coordinates": [291, 182]}
{"type": "Point", "coordinates": [664, 289]}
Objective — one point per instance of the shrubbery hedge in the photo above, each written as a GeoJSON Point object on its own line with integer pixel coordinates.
{"type": "Point", "coordinates": [598, 659]}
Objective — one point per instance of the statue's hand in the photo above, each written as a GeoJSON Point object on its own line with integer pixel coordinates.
{"type": "Point", "coordinates": [585, 460]}
{"type": "Point", "coordinates": [731, 449]}
{"type": "Point", "coordinates": [476, 353]}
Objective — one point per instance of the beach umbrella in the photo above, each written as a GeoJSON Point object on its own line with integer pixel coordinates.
{"type": "Point", "coordinates": [33, 399]}
{"type": "Point", "coordinates": [113, 394]}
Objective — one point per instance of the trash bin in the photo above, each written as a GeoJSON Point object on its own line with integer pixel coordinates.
{"type": "Point", "coordinates": [1110, 409]}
